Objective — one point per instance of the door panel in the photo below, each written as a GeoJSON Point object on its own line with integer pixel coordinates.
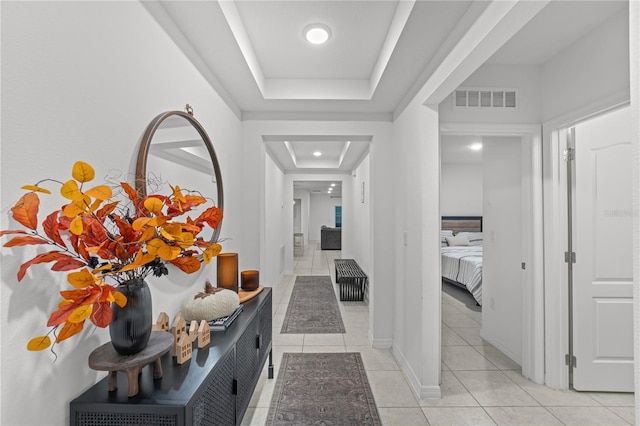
{"type": "Point", "coordinates": [603, 275]}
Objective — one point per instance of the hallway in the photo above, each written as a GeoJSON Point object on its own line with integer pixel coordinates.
{"type": "Point", "coordinates": [480, 385]}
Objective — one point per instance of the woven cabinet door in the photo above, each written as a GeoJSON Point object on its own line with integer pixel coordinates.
{"type": "Point", "coordinates": [215, 404]}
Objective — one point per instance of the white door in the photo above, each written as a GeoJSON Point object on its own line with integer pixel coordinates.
{"type": "Point", "coordinates": [603, 269]}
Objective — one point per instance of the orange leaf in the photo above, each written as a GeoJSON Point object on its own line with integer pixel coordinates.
{"type": "Point", "coordinates": [24, 241]}
{"type": "Point", "coordinates": [36, 188]}
{"type": "Point", "coordinates": [76, 225]}
{"type": "Point", "coordinates": [39, 343]}
{"type": "Point", "coordinates": [100, 192]}
{"type": "Point", "coordinates": [140, 222]}
{"type": "Point", "coordinates": [26, 210]}
{"type": "Point", "coordinates": [80, 314]}
{"type": "Point", "coordinates": [81, 279]}
{"type": "Point", "coordinates": [153, 204]}
{"type": "Point", "coordinates": [211, 216]}
{"type": "Point", "coordinates": [74, 209]}
{"type": "Point", "coordinates": [131, 193]}
{"type": "Point", "coordinates": [71, 191]}
{"type": "Point", "coordinates": [82, 172]}
{"type": "Point", "coordinates": [120, 299]}
{"type": "Point", "coordinates": [69, 329]}
{"type": "Point", "coordinates": [102, 314]}
{"type": "Point", "coordinates": [211, 252]}
{"type": "Point", "coordinates": [147, 234]}
{"type": "Point", "coordinates": [187, 264]}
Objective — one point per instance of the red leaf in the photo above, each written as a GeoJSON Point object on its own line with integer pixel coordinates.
{"type": "Point", "coordinates": [97, 230]}
{"type": "Point", "coordinates": [187, 264]}
{"type": "Point", "coordinates": [24, 241]}
{"type": "Point", "coordinates": [50, 226]}
{"type": "Point", "coordinates": [9, 232]}
{"type": "Point", "coordinates": [41, 258]}
{"type": "Point", "coordinates": [68, 264]}
{"type": "Point", "coordinates": [101, 315]}
{"type": "Point", "coordinates": [60, 315]}
{"type": "Point", "coordinates": [82, 251]}
{"type": "Point", "coordinates": [26, 210]}
{"type": "Point", "coordinates": [106, 210]}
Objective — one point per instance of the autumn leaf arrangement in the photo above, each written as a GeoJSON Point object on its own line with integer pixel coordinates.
{"type": "Point", "coordinates": [95, 238]}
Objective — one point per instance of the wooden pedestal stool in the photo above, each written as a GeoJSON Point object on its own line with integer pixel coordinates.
{"type": "Point", "coordinates": [105, 358]}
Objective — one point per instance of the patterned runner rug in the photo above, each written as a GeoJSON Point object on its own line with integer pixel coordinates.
{"type": "Point", "coordinates": [322, 389]}
{"type": "Point", "coordinates": [313, 307]}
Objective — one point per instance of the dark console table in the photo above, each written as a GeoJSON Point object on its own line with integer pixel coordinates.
{"type": "Point", "coordinates": [213, 388]}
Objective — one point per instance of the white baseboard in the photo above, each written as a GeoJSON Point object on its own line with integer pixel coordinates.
{"type": "Point", "coordinates": [501, 347]}
{"type": "Point", "coordinates": [380, 343]}
{"type": "Point", "coordinates": [420, 391]}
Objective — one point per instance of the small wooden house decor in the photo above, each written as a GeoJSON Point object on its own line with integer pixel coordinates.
{"type": "Point", "coordinates": [162, 324]}
{"type": "Point", "coordinates": [184, 349]}
{"type": "Point", "coordinates": [178, 329]}
{"type": "Point", "coordinates": [193, 330]}
{"type": "Point", "coordinates": [204, 334]}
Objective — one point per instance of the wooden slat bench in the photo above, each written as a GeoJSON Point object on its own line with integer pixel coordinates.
{"type": "Point", "coordinates": [351, 280]}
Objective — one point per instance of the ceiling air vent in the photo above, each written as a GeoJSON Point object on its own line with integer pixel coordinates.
{"type": "Point", "coordinates": [484, 98]}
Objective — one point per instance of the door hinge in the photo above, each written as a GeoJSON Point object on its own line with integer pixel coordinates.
{"type": "Point", "coordinates": [569, 154]}
{"type": "Point", "coordinates": [570, 360]}
{"type": "Point", "coordinates": [570, 257]}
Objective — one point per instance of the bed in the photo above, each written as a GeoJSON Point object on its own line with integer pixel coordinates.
{"type": "Point", "coordinates": [461, 252]}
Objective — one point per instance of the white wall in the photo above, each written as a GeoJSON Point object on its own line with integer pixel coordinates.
{"type": "Point", "coordinates": [502, 245]}
{"type": "Point", "coordinates": [360, 231]}
{"type": "Point", "coordinates": [524, 78]}
{"type": "Point", "coordinates": [81, 80]}
{"type": "Point", "coordinates": [634, 48]}
{"type": "Point", "coordinates": [305, 207]}
{"type": "Point", "coordinates": [593, 70]}
{"type": "Point", "coordinates": [276, 207]}
{"type": "Point", "coordinates": [461, 189]}
{"type": "Point", "coordinates": [416, 321]}
{"type": "Point", "coordinates": [322, 213]}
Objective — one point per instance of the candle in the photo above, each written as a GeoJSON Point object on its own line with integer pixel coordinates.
{"type": "Point", "coordinates": [228, 271]}
{"type": "Point", "coordinates": [250, 280]}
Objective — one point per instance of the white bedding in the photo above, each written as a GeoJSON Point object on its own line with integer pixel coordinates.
{"type": "Point", "coordinates": [463, 264]}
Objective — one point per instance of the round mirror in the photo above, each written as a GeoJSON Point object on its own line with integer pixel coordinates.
{"type": "Point", "coordinates": [175, 149]}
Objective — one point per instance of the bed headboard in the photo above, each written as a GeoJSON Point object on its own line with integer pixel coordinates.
{"type": "Point", "coordinates": [462, 223]}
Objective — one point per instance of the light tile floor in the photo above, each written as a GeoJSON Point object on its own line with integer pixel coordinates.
{"type": "Point", "coordinates": [480, 385]}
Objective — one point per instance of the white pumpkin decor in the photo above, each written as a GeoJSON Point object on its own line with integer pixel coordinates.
{"type": "Point", "coordinates": [211, 304]}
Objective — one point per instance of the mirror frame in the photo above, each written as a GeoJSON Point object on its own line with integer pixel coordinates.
{"type": "Point", "coordinates": [143, 153]}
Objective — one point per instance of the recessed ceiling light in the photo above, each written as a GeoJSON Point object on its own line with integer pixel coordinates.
{"type": "Point", "coordinates": [317, 33]}
{"type": "Point", "coordinates": [317, 153]}
{"type": "Point", "coordinates": [475, 146]}
{"type": "Point", "coordinates": [333, 184]}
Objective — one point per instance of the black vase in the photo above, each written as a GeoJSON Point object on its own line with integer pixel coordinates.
{"type": "Point", "coordinates": [130, 326]}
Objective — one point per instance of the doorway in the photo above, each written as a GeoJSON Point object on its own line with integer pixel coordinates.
{"type": "Point", "coordinates": [528, 307]}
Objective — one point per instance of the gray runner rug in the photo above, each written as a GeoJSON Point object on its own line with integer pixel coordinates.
{"type": "Point", "coordinates": [313, 307]}
{"type": "Point", "coordinates": [322, 389]}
